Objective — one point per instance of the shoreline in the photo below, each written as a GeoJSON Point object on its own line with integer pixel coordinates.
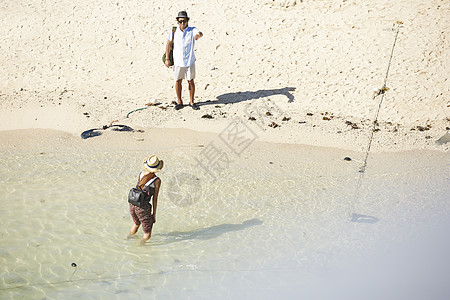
{"type": "Point", "coordinates": [193, 142]}
{"type": "Point", "coordinates": [317, 130]}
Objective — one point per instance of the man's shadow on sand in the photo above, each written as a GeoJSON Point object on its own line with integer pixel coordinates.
{"type": "Point", "coordinates": [237, 97]}
{"type": "Point", "coordinates": [206, 233]}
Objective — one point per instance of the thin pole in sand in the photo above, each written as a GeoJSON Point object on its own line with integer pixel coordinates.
{"type": "Point", "coordinates": [377, 93]}
{"type": "Point", "coordinates": [362, 170]}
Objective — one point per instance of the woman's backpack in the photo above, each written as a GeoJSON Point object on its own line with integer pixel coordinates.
{"type": "Point", "coordinates": [138, 197]}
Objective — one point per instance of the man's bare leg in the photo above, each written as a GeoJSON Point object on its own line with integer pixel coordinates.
{"type": "Point", "coordinates": [178, 88]}
{"type": "Point", "coordinates": [191, 91]}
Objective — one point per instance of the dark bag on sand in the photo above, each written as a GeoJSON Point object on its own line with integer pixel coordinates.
{"type": "Point", "coordinates": [171, 49]}
{"type": "Point", "coordinates": [138, 196]}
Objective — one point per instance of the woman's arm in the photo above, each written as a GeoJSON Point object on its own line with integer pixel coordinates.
{"type": "Point", "coordinates": [155, 198]}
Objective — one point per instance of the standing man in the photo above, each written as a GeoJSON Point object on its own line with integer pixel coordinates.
{"type": "Point", "coordinates": [183, 40]}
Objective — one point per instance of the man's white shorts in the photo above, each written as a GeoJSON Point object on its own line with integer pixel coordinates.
{"type": "Point", "coordinates": [184, 72]}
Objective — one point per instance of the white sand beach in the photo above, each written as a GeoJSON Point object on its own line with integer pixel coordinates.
{"type": "Point", "coordinates": [262, 195]}
{"type": "Point", "coordinates": [78, 66]}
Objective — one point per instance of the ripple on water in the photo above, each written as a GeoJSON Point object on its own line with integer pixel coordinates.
{"type": "Point", "coordinates": [234, 230]}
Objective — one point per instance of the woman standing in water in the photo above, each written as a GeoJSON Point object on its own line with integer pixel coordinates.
{"type": "Point", "coordinates": [149, 183]}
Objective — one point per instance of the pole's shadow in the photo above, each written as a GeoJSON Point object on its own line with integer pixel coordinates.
{"type": "Point", "coordinates": [357, 218]}
{"type": "Point", "coordinates": [237, 97]}
{"type": "Point", "coordinates": [205, 233]}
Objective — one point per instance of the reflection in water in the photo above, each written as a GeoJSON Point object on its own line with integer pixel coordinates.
{"type": "Point", "coordinates": [208, 233]}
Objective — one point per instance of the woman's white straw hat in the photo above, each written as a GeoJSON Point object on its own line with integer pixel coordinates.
{"type": "Point", "coordinates": [153, 164]}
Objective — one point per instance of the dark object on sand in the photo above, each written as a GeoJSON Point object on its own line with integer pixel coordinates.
{"type": "Point", "coordinates": [121, 128]}
{"type": "Point", "coordinates": [353, 125]}
{"type": "Point", "coordinates": [91, 133]}
{"type": "Point", "coordinates": [347, 158]}
{"type": "Point", "coordinates": [274, 125]}
{"type": "Point", "coordinates": [97, 131]}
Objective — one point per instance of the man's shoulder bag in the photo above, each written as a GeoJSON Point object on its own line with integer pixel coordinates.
{"type": "Point", "coordinates": [171, 49]}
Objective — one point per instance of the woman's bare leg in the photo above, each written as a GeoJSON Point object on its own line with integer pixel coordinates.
{"type": "Point", "coordinates": [133, 230]}
{"type": "Point", "coordinates": [146, 237]}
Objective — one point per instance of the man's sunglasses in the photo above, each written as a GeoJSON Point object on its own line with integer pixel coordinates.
{"type": "Point", "coordinates": [182, 21]}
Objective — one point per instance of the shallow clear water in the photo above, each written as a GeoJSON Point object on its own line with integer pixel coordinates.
{"type": "Point", "coordinates": [257, 231]}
